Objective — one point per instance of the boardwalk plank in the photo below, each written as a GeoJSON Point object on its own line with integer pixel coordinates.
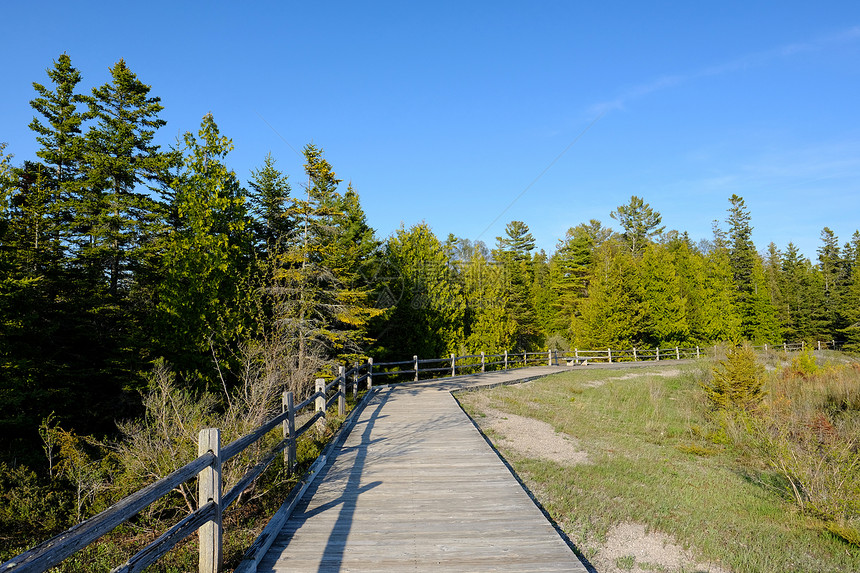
{"type": "Point", "coordinates": [415, 487]}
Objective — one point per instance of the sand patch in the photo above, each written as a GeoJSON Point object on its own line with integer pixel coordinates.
{"type": "Point", "coordinates": [527, 436]}
{"type": "Point", "coordinates": [668, 373]}
{"type": "Point", "coordinates": [629, 548]}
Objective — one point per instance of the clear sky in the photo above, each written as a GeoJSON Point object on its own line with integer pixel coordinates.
{"type": "Point", "coordinates": [467, 115]}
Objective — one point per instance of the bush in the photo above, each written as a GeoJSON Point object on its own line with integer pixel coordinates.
{"type": "Point", "coordinates": [808, 431]}
{"type": "Point", "coordinates": [737, 383]}
{"type": "Point", "coordinates": [29, 508]}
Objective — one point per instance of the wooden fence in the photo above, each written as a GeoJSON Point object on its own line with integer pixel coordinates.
{"type": "Point", "coordinates": [206, 520]}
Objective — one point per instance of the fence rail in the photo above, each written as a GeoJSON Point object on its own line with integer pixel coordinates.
{"type": "Point", "coordinates": [206, 520]}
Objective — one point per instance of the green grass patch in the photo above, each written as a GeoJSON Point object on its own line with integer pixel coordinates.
{"type": "Point", "coordinates": [654, 461]}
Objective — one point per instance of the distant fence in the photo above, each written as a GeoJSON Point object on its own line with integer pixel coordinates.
{"type": "Point", "coordinates": [206, 520]}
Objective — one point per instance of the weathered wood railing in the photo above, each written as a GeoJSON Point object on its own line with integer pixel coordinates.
{"type": "Point", "coordinates": [206, 520]}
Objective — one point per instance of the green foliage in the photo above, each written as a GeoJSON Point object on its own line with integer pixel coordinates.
{"type": "Point", "coordinates": [737, 382]}
{"type": "Point", "coordinates": [804, 363]}
{"type": "Point", "coordinates": [205, 257]}
{"type": "Point", "coordinates": [426, 316]}
{"type": "Point", "coordinates": [30, 506]}
{"type": "Point", "coordinates": [639, 221]}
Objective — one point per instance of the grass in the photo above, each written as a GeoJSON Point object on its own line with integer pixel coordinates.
{"type": "Point", "coordinates": [654, 461]}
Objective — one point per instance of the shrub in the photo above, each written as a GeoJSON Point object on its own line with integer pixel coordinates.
{"type": "Point", "coordinates": [737, 383]}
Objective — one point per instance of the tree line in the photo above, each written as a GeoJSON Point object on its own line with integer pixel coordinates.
{"type": "Point", "coordinates": [117, 254]}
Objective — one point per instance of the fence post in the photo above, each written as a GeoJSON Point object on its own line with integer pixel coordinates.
{"type": "Point", "coordinates": [609, 353]}
{"type": "Point", "coordinates": [506, 359]}
{"type": "Point", "coordinates": [341, 391]}
{"type": "Point", "coordinates": [483, 363]}
{"type": "Point", "coordinates": [209, 489]}
{"type": "Point", "coordinates": [549, 357]}
{"type": "Point", "coordinates": [453, 365]}
{"type": "Point", "coordinates": [634, 354]}
{"type": "Point", "coordinates": [802, 345]}
{"type": "Point", "coordinates": [289, 427]}
{"type": "Point", "coordinates": [355, 378]}
{"type": "Point", "coordinates": [576, 354]}
{"type": "Point", "coordinates": [658, 354]}
{"type": "Point", "coordinates": [785, 347]}
{"type": "Point", "coordinates": [320, 403]}
{"type": "Point", "coordinates": [677, 354]}
{"type": "Point", "coordinates": [819, 346]}
{"type": "Point", "coordinates": [765, 347]}
{"type": "Point", "coordinates": [697, 351]}
{"type": "Point", "coordinates": [369, 373]}
{"type": "Point", "coordinates": [415, 358]}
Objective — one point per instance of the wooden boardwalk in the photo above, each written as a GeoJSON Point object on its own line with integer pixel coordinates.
{"type": "Point", "coordinates": [415, 487]}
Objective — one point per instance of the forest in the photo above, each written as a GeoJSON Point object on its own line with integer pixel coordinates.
{"type": "Point", "coordinates": [120, 259]}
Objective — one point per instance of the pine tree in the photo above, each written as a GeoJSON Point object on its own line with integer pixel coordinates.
{"type": "Point", "coordinates": [639, 221]}
{"type": "Point", "coordinates": [832, 268]}
{"type": "Point", "coordinates": [721, 320]}
{"type": "Point", "coordinates": [801, 295]}
{"type": "Point", "coordinates": [613, 314]}
{"type": "Point", "coordinates": [323, 305]}
{"type": "Point", "coordinates": [570, 268]}
{"type": "Point", "coordinates": [489, 327]}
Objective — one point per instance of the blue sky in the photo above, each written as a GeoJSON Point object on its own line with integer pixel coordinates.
{"type": "Point", "coordinates": [451, 112]}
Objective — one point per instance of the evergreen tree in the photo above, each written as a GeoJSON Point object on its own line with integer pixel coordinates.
{"type": "Point", "coordinates": [639, 221]}
{"type": "Point", "coordinates": [800, 295]}
{"type": "Point", "coordinates": [721, 320]}
{"type": "Point", "coordinates": [268, 197]}
{"type": "Point", "coordinates": [323, 303]}
{"type": "Point", "coordinates": [489, 327]}
{"type": "Point", "coordinates": [200, 301]}
{"type": "Point", "coordinates": [664, 305]}
{"type": "Point", "coordinates": [570, 268]}
{"type": "Point", "coordinates": [833, 272]}
{"type": "Point", "coordinates": [613, 314]}
{"type": "Point", "coordinates": [514, 254]}
{"type": "Point", "coordinates": [121, 155]}
{"type": "Point", "coordinates": [742, 257]}
{"type": "Point", "coordinates": [427, 315]}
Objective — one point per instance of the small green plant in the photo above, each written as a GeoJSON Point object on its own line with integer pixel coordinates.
{"type": "Point", "coordinates": [737, 383]}
{"type": "Point", "coordinates": [625, 563]}
{"type": "Point", "coordinates": [804, 363]}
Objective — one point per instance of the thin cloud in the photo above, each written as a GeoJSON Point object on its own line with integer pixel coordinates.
{"type": "Point", "coordinates": [746, 62]}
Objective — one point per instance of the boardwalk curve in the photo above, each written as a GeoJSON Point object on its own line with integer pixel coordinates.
{"type": "Point", "coordinates": [415, 487]}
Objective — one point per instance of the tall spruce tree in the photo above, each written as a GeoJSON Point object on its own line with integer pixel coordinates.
{"type": "Point", "coordinates": [268, 197]}
{"type": "Point", "coordinates": [120, 157]}
{"type": "Point", "coordinates": [322, 308]}
{"type": "Point", "coordinates": [514, 254]}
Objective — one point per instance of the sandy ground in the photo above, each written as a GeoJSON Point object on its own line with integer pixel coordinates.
{"type": "Point", "coordinates": [628, 547]}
